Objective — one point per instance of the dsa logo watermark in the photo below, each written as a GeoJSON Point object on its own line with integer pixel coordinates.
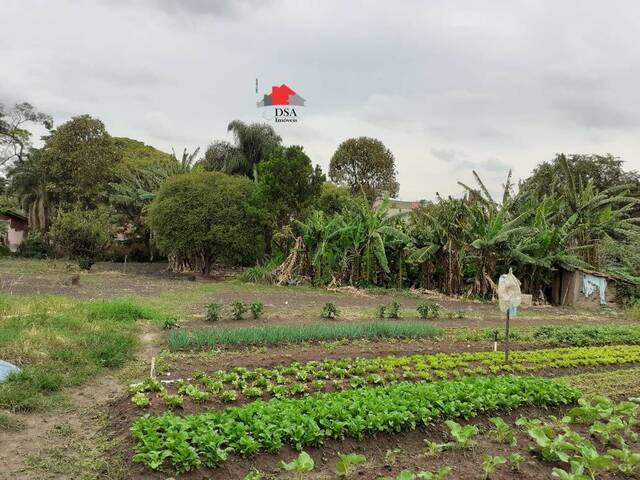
{"type": "Point", "coordinates": [282, 105]}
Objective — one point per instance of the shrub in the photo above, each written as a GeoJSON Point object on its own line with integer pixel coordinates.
{"type": "Point", "coordinates": [256, 309]}
{"type": "Point", "coordinates": [82, 235]}
{"type": "Point", "coordinates": [238, 309]}
{"type": "Point", "coordinates": [393, 310]}
{"type": "Point", "coordinates": [213, 312]}
{"type": "Point", "coordinates": [169, 323]}
{"type": "Point", "coordinates": [35, 245]}
{"type": "Point", "coordinates": [429, 310]}
{"type": "Point", "coordinates": [329, 310]}
{"type": "Point", "coordinates": [381, 311]}
{"type": "Point", "coordinates": [200, 217]}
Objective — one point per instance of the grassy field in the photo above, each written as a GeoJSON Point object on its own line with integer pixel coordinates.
{"type": "Point", "coordinates": [69, 412]}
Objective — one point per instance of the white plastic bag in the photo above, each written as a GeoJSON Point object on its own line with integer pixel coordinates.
{"type": "Point", "coordinates": [509, 295]}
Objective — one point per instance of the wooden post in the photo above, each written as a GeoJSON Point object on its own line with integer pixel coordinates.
{"type": "Point", "coordinates": [506, 340]}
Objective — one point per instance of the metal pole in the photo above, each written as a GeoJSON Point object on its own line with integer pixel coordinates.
{"type": "Point", "coordinates": [506, 341]}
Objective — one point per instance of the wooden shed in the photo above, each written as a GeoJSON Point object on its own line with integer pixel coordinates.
{"type": "Point", "coordinates": [579, 287]}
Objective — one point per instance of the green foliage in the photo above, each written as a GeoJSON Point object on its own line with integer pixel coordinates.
{"type": "Point", "coordinates": [191, 440]}
{"type": "Point", "coordinates": [84, 144]}
{"type": "Point", "coordinates": [288, 184]}
{"type": "Point", "coordinates": [260, 273]}
{"type": "Point", "coordinates": [589, 335]}
{"type": "Point", "coordinates": [366, 166]}
{"type": "Point", "coordinates": [172, 401]}
{"type": "Point", "coordinates": [256, 309]}
{"type": "Point", "coordinates": [329, 310]}
{"type": "Point", "coordinates": [628, 461]}
{"type": "Point", "coordinates": [463, 436]}
{"type": "Point", "coordinates": [213, 312]}
{"type": "Point", "coordinates": [501, 431]}
{"type": "Point", "coordinates": [439, 474]}
{"type": "Point", "coordinates": [279, 334]}
{"type": "Point", "coordinates": [489, 464]}
{"type": "Point", "coordinates": [35, 245]}
{"type": "Point", "coordinates": [254, 475]}
{"type": "Point", "coordinates": [515, 459]}
{"type": "Point", "coordinates": [140, 400]}
{"type": "Point", "coordinates": [428, 310]}
{"type": "Point", "coordinates": [15, 139]}
{"type": "Point", "coordinates": [202, 217]}
{"type": "Point", "coordinates": [393, 311]}
{"type": "Point", "coordinates": [304, 463]}
{"type": "Point", "coordinates": [82, 235]}
{"type": "Point", "coordinates": [169, 323]}
{"type": "Point", "coordinates": [333, 199]}
{"type": "Point", "coordinates": [238, 309]}
{"type": "Point", "coordinates": [347, 461]}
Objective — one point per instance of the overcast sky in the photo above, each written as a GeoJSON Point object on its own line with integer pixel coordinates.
{"type": "Point", "coordinates": [448, 86]}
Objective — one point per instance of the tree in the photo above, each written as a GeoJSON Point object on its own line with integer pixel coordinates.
{"type": "Point", "coordinates": [79, 160]}
{"type": "Point", "coordinates": [29, 184]}
{"type": "Point", "coordinates": [218, 155]}
{"type": "Point", "coordinates": [82, 235]}
{"type": "Point", "coordinates": [253, 143]}
{"type": "Point", "coordinates": [333, 199]}
{"type": "Point", "coordinates": [288, 184]}
{"type": "Point", "coordinates": [202, 217]}
{"type": "Point", "coordinates": [365, 165]}
{"type": "Point", "coordinates": [602, 171]}
{"type": "Point", "coordinates": [135, 154]}
{"type": "Point", "coordinates": [14, 137]}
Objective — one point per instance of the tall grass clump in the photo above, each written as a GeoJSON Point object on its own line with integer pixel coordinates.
{"type": "Point", "coordinates": [277, 334]}
{"type": "Point", "coordinates": [58, 344]}
{"type": "Point", "coordinates": [260, 273]}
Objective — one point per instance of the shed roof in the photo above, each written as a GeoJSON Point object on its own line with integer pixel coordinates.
{"type": "Point", "coordinates": [12, 213]}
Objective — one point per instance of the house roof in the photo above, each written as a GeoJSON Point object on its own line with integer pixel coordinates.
{"type": "Point", "coordinates": [595, 273]}
{"type": "Point", "coordinates": [12, 213]}
{"type": "Point", "coordinates": [400, 204]}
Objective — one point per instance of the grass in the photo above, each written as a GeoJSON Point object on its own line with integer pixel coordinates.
{"type": "Point", "coordinates": [614, 384]}
{"type": "Point", "coordinates": [10, 422]}
{"type": "Point", "coordinates": [278, 334]}
{"type": "Point", "coordinates": [58, 343]}
{"type": "Point", "coordinates": [632, 311]}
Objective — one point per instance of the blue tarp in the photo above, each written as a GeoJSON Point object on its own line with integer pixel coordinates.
{"type": "Point", "coordinates": [5, 369]}
{"type": "Point", "coordinates": [590, 283]}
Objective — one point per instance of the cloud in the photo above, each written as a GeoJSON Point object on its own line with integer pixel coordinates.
{"type": "Point", "coordinates": [217, 8]}
{"type": "Point", "coordinates": [447, 86]}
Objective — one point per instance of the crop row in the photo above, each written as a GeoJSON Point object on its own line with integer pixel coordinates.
{"type": "Point", "coordinates": [187, 442]}
{"type": "Point", "coordinates": [277, 334]}
{"type": "Point", "coordinates": [299, 379]}
{"type": "Point", "coordinates": [583, 335]}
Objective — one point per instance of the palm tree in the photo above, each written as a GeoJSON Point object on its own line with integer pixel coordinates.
{"type": "Point", "coordinates": [29, 184]}
{"type": "Point", "coordinates": [255, 142]}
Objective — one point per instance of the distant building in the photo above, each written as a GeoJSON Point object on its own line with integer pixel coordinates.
{"type": "Point", "coordinates": [17, 228]}
{"type": "Point", "coordinates": [400, 206]}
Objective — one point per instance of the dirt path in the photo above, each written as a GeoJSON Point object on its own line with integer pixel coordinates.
{"type": "Point", "coordinates": [70, 441]}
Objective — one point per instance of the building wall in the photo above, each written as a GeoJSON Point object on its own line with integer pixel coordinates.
{"type": "Point", "coordinates": [16, 232]}
{"type": "Point", "coordinates": [567, 291]}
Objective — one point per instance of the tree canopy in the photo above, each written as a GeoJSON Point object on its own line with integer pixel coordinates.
{"type": "Point", "coordinates": [366, 166]}
{"type": "Point", "coordinates": [199, 218]}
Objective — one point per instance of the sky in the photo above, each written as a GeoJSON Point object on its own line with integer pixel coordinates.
{"type": "Point", "coordinates": [448, 86]}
